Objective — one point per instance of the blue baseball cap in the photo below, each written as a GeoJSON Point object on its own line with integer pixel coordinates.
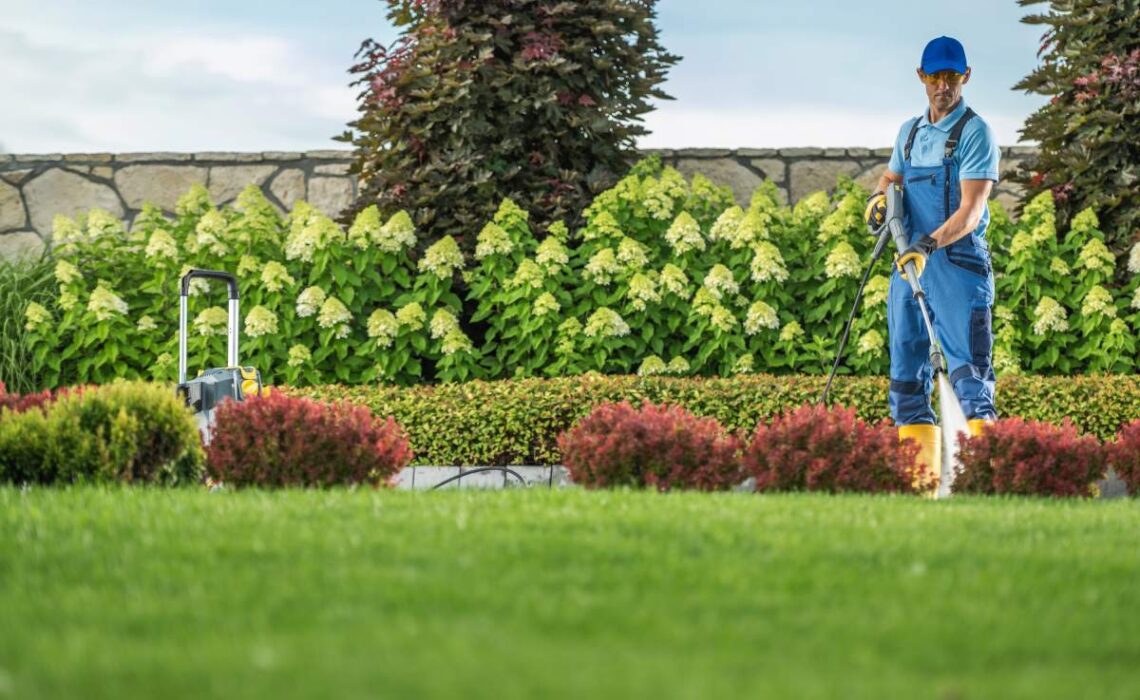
{"type": "Point", "coordinates": [943, 53]}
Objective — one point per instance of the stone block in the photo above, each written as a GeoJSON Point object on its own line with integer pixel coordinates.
{"type": "Point", "coordinates": [288, 186]}
{"type": "Point", "coordinates": [20, 245]}
{"type": "Point", "coordinates": [561, 477]}
{"type": "Point", "coordinates": [227, 157]}
{"type": "Point", "coordinates": [835, 153]}
{"type": "Point", "coordinates": [227, 181]}
{"type": "Point", "coordinates": [39, 157]}
{"type": "Point", "coordinates": [160, 185]}
{"type": "Point", "coordinates": [426, 477]}
{"type": "Point", "coordinates": [102, 171]}
{"type": "Point", "coordinates": [665, 153]}
{"type": "Point", "coordinates": [757, 152]}
{"type": "Point", "coordinates": [869, 178]}
{"type": "Point", "coordinates": [332, 169]}
{"type": "Point", "coordinates": [16, 176]}
{"type": "Point", "coordinates": [331, 195]}
{"type": "Point", "coordinates": [281, 155]}
{"type": "Point", "coordinates": [772, 168]}
{"type": "Point", "coordinates": [482, 480]}
{"type": "Point", "coordinates": [810, 152]}
{"type": "Point", "coordinates": [88, 157]}
{"type": "Point", "coordinates": [809, 176]}
{"type": "Point", "coordinates": [1023, 151]}
{"type": "Point", "coordinates": [537, 477]}
{"type": "Point", "coordinates": [403, 480]}
{"type": "Point", "coordinates": [329, 154]}
{"type": "Point", "coordinates": [704, 152]}
{"type": "Point", "coordinates": [159, 156]}
{"type": "Point", "coordinates": [859, 152]}
{"type": "Point", "coordinates": [723, 171]}
{"type": "Point", "coordinates": [883, 152]}
{"type": "Point", "coordinates": [56, 191]}
{"type": "Point", "coordinates": [12, 212]}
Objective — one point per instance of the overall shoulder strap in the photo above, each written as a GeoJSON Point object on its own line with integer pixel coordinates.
{"type": "Point", "coordinates": [956, 132]}
{"type": "Point", "coordinates": [910, 139]}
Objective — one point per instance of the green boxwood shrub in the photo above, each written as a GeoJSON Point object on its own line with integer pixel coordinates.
{"type": "Point", "coordinates": [127, 432]}
{"type": "Point", "coordinates": [518, 421]}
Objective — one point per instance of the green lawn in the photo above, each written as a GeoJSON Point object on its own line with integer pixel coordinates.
{"type": "Point", "coordinates": [165, 594]}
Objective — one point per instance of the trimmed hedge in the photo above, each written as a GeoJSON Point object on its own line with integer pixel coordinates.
{"type": "Point", "coordinates": [518, 421]}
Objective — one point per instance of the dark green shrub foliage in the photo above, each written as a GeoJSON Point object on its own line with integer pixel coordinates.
{"type": "Point", "coordinates": [279, 440]}
{"type": "Point", "coordinates": [1030, 458]}
{"type": "Point", "coordinates": [1089, 132]}
{"type": "Point", "coordinates": [815, 448]}
{"type": "Point", "coordinates": [659, 447]}
{"type": "Point", "coordinates": [128, 432]}
{"type": "Point", "coordinates": [477, 101]}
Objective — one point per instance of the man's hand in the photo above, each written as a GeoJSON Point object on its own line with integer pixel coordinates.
{"type": "Point", "coordinates": [876, 212]}
{"type": "Point", "coordinates": [917, 253]}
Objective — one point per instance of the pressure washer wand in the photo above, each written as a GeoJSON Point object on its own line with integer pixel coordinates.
{"type": "Point", "coordinates": [898, 235]}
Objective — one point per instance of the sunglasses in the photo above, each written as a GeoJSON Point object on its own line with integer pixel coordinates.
{"type": "Point", "coordinates": [949, 76]}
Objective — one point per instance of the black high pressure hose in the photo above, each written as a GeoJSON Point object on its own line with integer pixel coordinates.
{"type": "Point", "coordinates": [875, 255]}
{"type": "Point", "coordinates": [506, 470]}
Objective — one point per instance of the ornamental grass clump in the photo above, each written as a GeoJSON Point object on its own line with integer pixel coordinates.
{"type": "Point", "coordinates": [1030, 458]}
{"type": "Point", "coordinates": [816, 448]}
{"type": "Point", "coordinates": [279, 441]}
{"type": "Point", "coordinates": [663, 447]}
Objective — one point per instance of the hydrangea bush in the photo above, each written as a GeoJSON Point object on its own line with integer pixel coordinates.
{"type": "Point", "coordinates": [667, 277]}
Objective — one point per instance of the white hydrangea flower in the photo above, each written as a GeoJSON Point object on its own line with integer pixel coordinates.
{"type": "Point", "coordinates": [1098, 301]}
{"type": "Point", "coordinates": [196, 201]}
{"type": "Point", "coordinates": [727, 224]}
{"type": "Point", "coordinates": [878, 288]}
{"type": "Point", "coordinates": [411, 315]}
{"type": "Point", "coordinates": [684, 234]}
{"type": "Point", "coordinates": [1005, 362]}
{"type": "Point", "coordinates": [790, 332]}
{"type": "Point", "coordinates": [528, 274]}
{"type": "Point", "coordinates": [105, 304]}
{"type": "Point", "coordinates": [703, 302]}
{"type": "Point", "coordinates": [65, 230]}
{"type": "Point", "coordinates": [442, 259]}
{"type": "Point", "coordinates": [767, 263]}
{"type": "Point", "coordinates": [247, 264]}
{"type": "Point", "coordinates": [492, 240]}
{"type": "Point", "coordinates": [679, 365]}
{"type": "Point", "coordinates": [744, 364]}
{"type": "Point", "coordinates": [602, 225]}
{"type": "Point", "coordinates": [102, 223]}
{"type": "Point", "coordinates": [1050, 316]}
{"type": "Point", "coordinates": [871, 343]}
{"type": "Point", "coordinates": [1022, 243]}
{"type": "Point", "coordinates": [146, 323]}
{"type": "Point", "coordinates": [260, 321]}
{"type": "Point", "coordinates": [455, 341]}
{"type": "Point", "coordinates": [198, 285]}
{"type": "Point", "coordinates": [1096, 257]}
{"type": "Point", "coordinates": [642, 291]}
{"type": "Point", "coordinates": [760, 316]}
{"type": "Point", "coordinates": [66, 273]}
{"type": "Point", "coordinates": [365, 227]}
{"type": "Point", "coordinates": [212, 321]}
{"type": "Point", "coordinates": [570, 327]}
{"type": "Point", "coordinates": [842, 261]}
{"type": "Point", "coordinates": [847, 217]}
{"type": "Point", "coordinates": [1117, 327]}
{"type": "Point", "coordinates": [309, 301]}
{"type": "Point", "coordinates": [546, 304]}
{"type": "Point", "coordinates": [811, 208]}
{"type": "Point", "coordinates": [298, 355]}
{"type": "Point", "coordinates": [651, 366]}
{"type": "Point", "coordinates": [606, 323]}
{"type": "Point", "coordinates": [1059, 267]}
{"type": "Point", "coordinates": [552, 255]}
{"type": "Point", "coordinates": [1134, 259]}
{"type": "Point", "coordinates": [1084, 222]}
{"type": "Point", "coordinates": [674, 280]}
{"type": "Point", "coordinates": [442, 323]}
{"type": "Point", "coordinates": [384, 327]}
{"type": "Point", "coordinates": [1003, 313]}
{"type": "Point", "coordinates": [1045, 231]}
{"type": "Point", "coordinates": [67, 300]}
{"type": "Point", "coordinates": [657, 199]}
{"type": "Point", "coordinates": [722, 319]}
{"type": "Point", "coordinates": [602, 267]}
{"type": "Point", "coordinates": [35, 316]}
{"type": "Point", "coordinates": [309, 231]}
{"type": "Point", "coordinates": [1136, 299]}
{"type": "Point", "coordinates": [719, 282]}
{"type": "Point", "coordinates": [209, 234]}
{"type": "Point", "coordinates": [398, 233]}
{"type": "Point", "coordinates": [334, 314]}
{"type": "Point", "coordinates": [161, 246]}
{"type": "Point", "coordinates": [633, 255]}
{"type": "Point", "coordinates": [274, 277]}
{"type": "Point", "coordinates": [753, 229]}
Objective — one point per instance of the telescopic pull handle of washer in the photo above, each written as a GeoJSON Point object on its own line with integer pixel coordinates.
{"type": "Point", "coordinates": [231, 325]}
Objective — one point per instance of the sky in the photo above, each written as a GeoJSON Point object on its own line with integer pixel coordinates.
{"type": "Point", "coordinates": [253, 75]}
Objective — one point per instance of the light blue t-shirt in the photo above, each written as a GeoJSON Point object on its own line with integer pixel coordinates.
{"type": "Point", "coordinates": [977, 154]}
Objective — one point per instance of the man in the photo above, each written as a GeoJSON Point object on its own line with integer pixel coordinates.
{"type": "Point", "coordinates": [947, 163]}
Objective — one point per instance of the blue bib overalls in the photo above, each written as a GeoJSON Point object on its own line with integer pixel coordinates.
{"type": "Point", "coordinates": [959, 287]}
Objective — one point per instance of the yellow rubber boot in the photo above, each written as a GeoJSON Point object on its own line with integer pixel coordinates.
{"type": "Point", "coordinates": [929, 439]}
{"type": "Point", "coordinates": [975, 426]}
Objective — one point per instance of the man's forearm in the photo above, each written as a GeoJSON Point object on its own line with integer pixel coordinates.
{"type": "Point", "coordinates": [959, 225]}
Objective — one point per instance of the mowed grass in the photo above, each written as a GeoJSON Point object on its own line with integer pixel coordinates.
{"type": "Point", "coordinates": [181, 593]}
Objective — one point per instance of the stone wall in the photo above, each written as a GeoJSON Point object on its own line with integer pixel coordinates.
{"type": "Point", "coordinates": [34, 188]}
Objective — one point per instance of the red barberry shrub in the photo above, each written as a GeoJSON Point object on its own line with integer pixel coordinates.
{"type": "Point", "coordinates": [1029, 458]}
{"type": "Point", "coordinates": [24, 402]}
{"type": "Point", "coordinates": [1123, 454]}
{"type": "Point", "coordinates": [816, 448]}
{"type": "Point", "coordinates": [658, 446]}
{"type": "Point", "coordinates": [278, 440]}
